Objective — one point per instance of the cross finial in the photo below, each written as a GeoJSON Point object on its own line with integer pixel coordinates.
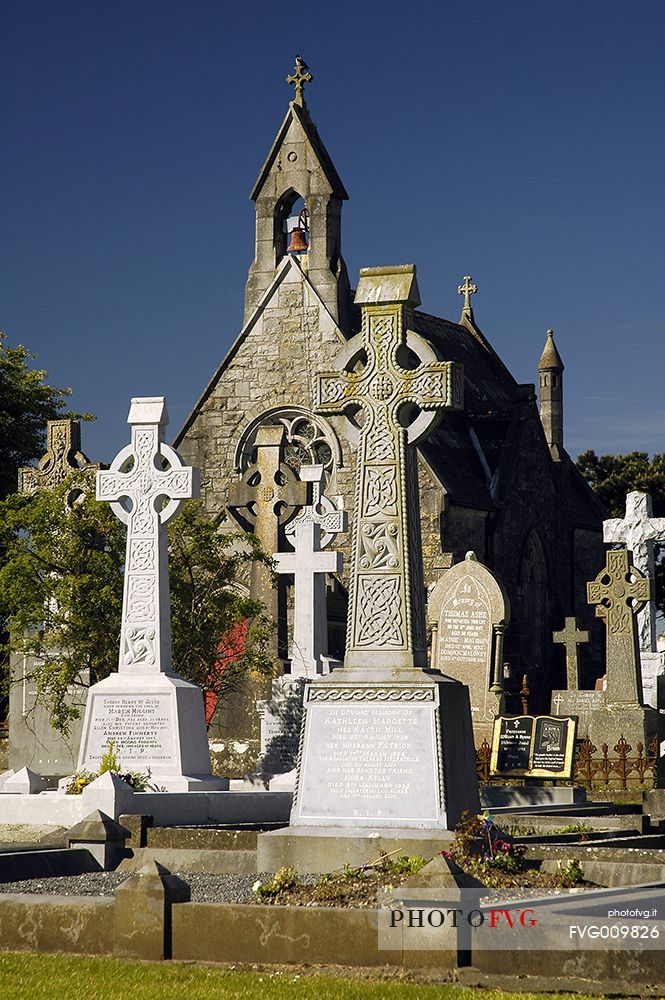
{"type": "Point", "coordinates": [299, 78]}
{"type": "Point", "coordinates": [467, 290]}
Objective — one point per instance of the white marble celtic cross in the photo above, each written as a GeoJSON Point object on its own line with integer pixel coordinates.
{"type": "Point", "coordinates": [146, 486]}
{"type": "Point", "coordinates": [390, 374]}
{"type": "Point", "coordinates": [638, 531]}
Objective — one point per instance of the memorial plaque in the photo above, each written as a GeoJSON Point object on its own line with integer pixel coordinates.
{"type": "Point", "coordinates": [376, 760]}
{"type": "Point", "coordinates": [140, 727]}
{"type": "Point", "coordinates": [540, 746]}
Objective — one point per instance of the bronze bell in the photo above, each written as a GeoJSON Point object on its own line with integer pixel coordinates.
{"type": "Point", "coordinates": [298, 242]}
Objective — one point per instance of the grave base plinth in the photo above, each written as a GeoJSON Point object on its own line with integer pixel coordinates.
{"type": "Point", "coordinates": [385, 749]}
{"type": "Point", "coordinates": [156, 724]}
{"type": "Point", "coordinates": [634, 723]}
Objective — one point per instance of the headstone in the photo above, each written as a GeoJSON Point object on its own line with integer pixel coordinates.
{"type": "Point", "coordinates": [580, 704]}
{"type": "Point", "coordinates": [531, 746]}
{"type": "Point", "coordinates": [619, 592]}
{"type": "Point", "coordinates": [571, 637]}
{"type": "Point", "coordinates": [386, 743]}
{"type": "Point", "coordinates": [33, 742]}
{"type": "Point", "coordinates": [468, 612]}
{"type": "Point", "coordinates": [154, 717]}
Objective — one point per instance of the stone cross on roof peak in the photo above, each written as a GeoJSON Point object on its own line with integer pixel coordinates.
{"type": "Point", "coordinates": [299, 78]}
{"type": "Point", "coordinates": [467, 290]}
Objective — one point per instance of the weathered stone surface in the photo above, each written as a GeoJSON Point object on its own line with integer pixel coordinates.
{"type": "Point", "coordinates": [43, 924]}
{"type": "Point", "coordinates": [468, 612]}
{"type": "Point", "coordinates": [571, 637]}
{"type": "Point", "coordinates": [63, 456]}
{"type": "Point", "coordinates": [142, 923]}
{"type": "Point", "coordinates": [385, 744]}
{"type": "Point", "coordinates": [579, 703]}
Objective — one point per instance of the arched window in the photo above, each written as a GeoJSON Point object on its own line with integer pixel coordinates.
{"type": "Point", "coordinates": [310, 440]}
{"type": "Point", "coordinates": [533, 594]}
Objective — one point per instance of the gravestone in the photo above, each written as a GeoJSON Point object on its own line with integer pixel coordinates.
{"type": "Point", "coordinates": [313, 528]}
{"type": "Point", "coordinates": [619, 592]}
{"type": "Point", "coordinates": [154, 717]}
{"type": "Point", "coordinates": [386, 743]}
{"type": "Point", "coordinates": [639, 531]}
{"type": "Point", "coordinates": [529, 746]}
{"type": "Point", "coordinates": [33, 742]}
{"type": "Point", "coordinates": [468, 612]}
{"type": "Point", "coordinates": [572, 701]}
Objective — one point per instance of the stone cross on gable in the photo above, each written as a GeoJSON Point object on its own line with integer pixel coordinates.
{"type": "Point", "coordinates": [638, 531]}
{"type": "Point", "coordinates": [619, 591]}
{"type": "Point", "coordinates": [386, 624]}
{"type": "Point", "coordinates": [572, 638]}
{"type": "Point", "coordinates": [310, 620]}
{"type": "Point", "coordinates": [299, 78]}
{"type": "Point", "coordinates": [267, 496]}
{"type": "Point", "coordinates": [146, 485]}
{"type": "Point", "coordinates": [467, 290]}
{"type": "Point", "coordinates": [63, 456]}
{"type": "Point", "coordinates": [330, 516]}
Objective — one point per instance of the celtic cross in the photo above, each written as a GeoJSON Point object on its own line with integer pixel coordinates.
{"type": "Point", "coordinates": [467, 290]}
{"type": "Point", "coordinates": [146, 485]}
{"type": "Point", "coordinates": [299, 78]}
{"type": "Point", "coordinates": [572, 638]}
{"type": "Point", "coordinates": [63, 456]}
{"type": "Point", "coordinates": [267, 496]}
{"type": "Point", "coordinates": [619, 591]}
{"type": "Point", "coordinates": [388, 374]}
{"type": "Point", "coordinates": [638, 531]}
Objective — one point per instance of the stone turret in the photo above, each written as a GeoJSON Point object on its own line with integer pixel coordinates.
{"type": "Point", "coordinates": [550, 380]}
{"type": "Point", "coordinates": [299, 166]}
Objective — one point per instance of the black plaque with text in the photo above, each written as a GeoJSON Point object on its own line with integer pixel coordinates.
{"type": "Point", "coordinates": [534, 746]}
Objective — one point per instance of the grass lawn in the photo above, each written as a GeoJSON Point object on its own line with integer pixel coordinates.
{"type": "Point", "coordinates": [46, 977]}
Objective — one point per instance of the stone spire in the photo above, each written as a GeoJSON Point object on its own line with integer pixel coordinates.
{"type": "Point", "coordinates": [550, 380]}
{"type": "Point", "coordinates": [299, 166]}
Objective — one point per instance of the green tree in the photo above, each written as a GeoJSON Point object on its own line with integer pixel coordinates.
{"type": "Point", "coordinates": [613, 476]}
{"type": "Point", "coordinates": [61, 581]}
{"type": "Point", "coordinates": [26, 403]}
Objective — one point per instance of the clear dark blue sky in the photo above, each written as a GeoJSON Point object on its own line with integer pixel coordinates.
{"type": "Point", "coordinates": [518, 141]}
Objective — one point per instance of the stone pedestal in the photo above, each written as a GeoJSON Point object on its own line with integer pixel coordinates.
{"type": "Point", "coordinates": [156, 722]}
{"type": "Point", "coordinates": [372, 751]}
{"type": "Point", "coordinates": [634, 723]}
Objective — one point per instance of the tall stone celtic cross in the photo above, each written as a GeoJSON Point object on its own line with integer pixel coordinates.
{"type": "Point", "coordinates": [386, 625]}
{"type": "Point", "coordinates": [638, 531]}
{"type": "Point", "coordinates": [571, 637]}
{"type": "Point", "coordinates": [63, 456]}
{"type": "Point", "coordinates": [619, 591]}
{"type": "Point", "coordinates": [267, 496]}
{"type": "Point", "coordinates": [146, 485]}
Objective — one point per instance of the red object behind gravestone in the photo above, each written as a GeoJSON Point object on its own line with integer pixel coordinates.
{"type": "Point", "coordinates": [231, 646]}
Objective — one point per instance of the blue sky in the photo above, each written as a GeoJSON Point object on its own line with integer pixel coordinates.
{"type": "Point", "coordinates": [519, 142]}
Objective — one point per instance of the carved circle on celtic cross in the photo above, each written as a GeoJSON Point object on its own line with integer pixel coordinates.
{"type": "Point", "coordinates": [349, 357]}
{"type": "Point", "coordinates": [141, 482]}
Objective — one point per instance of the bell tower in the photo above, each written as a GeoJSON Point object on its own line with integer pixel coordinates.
{"type": "Point", "coordinates": [299, 167]}
{"type": "Point", "coordinates": [550, 381]}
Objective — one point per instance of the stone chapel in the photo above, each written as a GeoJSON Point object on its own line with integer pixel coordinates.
{"type": "Point", "coordinates": [494, 477]}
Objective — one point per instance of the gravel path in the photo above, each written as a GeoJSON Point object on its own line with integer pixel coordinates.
{"type": "Point", "coordinates": [205, 888]}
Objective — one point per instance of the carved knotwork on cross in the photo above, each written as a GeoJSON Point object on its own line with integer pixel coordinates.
{"type": "Point", "coordinates": [386, 619]}
{"type": "Point", "coordinates": [63, 456]}
{"type": "Point", "coordinates": [145, 495]}
{"type": "Point", "coordinates": [571, 637]}
{"type": "Point", "coordinates": [467, 290]}
{"type": "Point", "coordinates": [299, 78]}
{"type": "Point", "coordinates": [619, 592]}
